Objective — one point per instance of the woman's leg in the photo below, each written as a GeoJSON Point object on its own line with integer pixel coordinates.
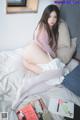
{"type": "Point", "coordinates": [32, 83]}
{"type": "Point", "coordinates": [35, 55]}
{"type": "Point", "coordinates": [32, 67]}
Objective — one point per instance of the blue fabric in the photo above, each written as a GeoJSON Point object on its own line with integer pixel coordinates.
{"type": "Point", "coordinates": [71, 14]}
{"type": "Point", "coordinates": [72, 81]}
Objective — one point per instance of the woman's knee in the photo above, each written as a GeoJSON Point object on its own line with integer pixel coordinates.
{"type": "Point", "coordinates": [26, 63]}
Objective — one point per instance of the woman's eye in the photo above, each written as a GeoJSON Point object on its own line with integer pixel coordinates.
{"type": "Point", "coordinates": [53, 17]}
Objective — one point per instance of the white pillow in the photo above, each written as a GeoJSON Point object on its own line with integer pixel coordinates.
{"type": "Point", "coordinates": [64, 36]}
{"type": "Point", "coordinates": [66, 53]}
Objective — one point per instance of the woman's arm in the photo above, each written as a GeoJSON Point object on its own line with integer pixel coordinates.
{"type": "Point", "coordinates": [42, 40]}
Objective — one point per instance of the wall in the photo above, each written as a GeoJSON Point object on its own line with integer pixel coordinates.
{"type": "Point", "coordinates": [16, 30]}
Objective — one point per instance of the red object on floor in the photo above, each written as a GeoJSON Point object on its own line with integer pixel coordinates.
{"type": "Point", "coordinates": [27, 113]}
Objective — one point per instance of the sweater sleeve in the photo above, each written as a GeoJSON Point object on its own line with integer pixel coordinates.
{"type": "Point", "coordinates": [42, 40]}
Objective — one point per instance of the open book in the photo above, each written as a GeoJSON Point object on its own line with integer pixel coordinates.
{"type": "Point", "coordinates": [61, 107]}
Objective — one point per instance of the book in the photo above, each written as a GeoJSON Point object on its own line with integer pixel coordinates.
{"type": "Point", "coordinates": [34, 110]}
{"type": "Point", "coordinates": [61, 107]}
{"type": "Point", "coordinates": [76, 113]}
{"type": "Point", "coordinates": [27, 113]}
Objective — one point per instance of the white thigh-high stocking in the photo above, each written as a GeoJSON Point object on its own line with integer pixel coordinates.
{"type": "Point", "coordinates": [30, 85]}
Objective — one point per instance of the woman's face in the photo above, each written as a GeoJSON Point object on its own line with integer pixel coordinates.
{"type": "Point", "coordinates": [52, 19]}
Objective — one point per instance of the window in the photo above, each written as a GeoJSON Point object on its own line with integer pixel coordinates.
{"type": "Point", "coordinates": [13, 3]}
{"type": "Point", "coordinates": [22, 6]}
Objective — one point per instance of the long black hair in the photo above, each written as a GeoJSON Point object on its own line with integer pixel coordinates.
{"type": "Point", "coordinates": [44, 21]}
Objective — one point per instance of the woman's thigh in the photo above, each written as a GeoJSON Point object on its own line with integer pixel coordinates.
{"type": "Point", "coordinates": [34, 54]}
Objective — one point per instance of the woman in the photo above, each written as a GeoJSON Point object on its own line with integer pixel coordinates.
{"type": "Point", "coordinates": [43, 48]}
{"type": "Point", "coordinates": [39, 57]}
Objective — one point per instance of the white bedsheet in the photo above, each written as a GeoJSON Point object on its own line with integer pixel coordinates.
{"type": "Point", "coordinates": [12, 74]}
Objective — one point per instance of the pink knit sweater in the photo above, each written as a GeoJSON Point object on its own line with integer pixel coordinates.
{"type": "Point", "coordinates": [42, 40]}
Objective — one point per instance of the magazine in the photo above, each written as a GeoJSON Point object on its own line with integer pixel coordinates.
{"type": "Point", "coordinates": [61, 107]}
{"type": "Point", "coordinates": [34, 110]}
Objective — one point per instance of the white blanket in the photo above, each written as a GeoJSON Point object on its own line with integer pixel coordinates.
{"type": "Point", "coordinates": [12, 75]}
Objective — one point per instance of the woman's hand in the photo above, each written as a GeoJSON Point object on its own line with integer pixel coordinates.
{"type": "Point", "coordinates": [53, 55]}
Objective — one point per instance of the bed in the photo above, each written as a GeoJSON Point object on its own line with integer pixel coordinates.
{"type": "Point", "coordinates": [12, 75]}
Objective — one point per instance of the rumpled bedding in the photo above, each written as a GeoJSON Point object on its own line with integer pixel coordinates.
{"type": "Point", "coordinates": [12, 75]}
